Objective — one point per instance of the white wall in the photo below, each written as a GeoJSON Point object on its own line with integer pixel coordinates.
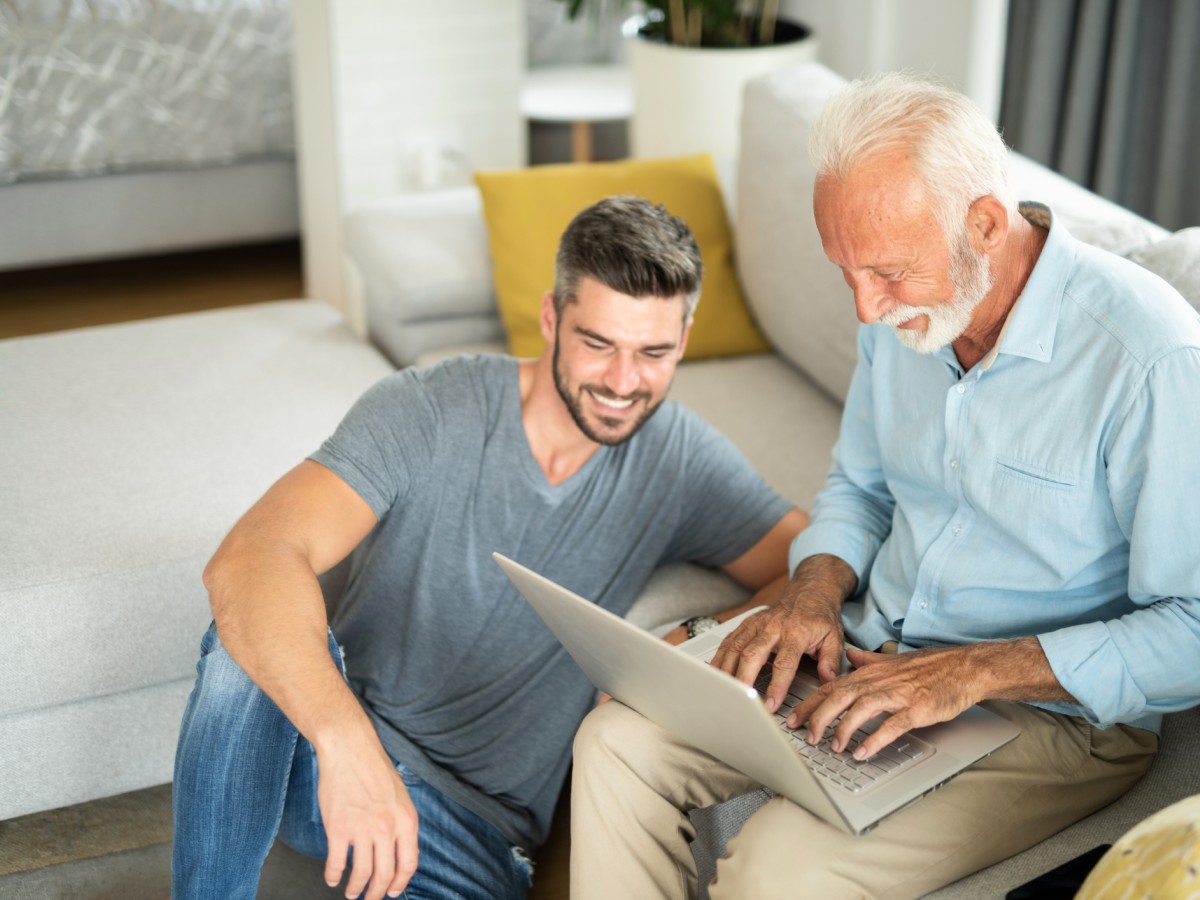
{"type": "Point", "coordinates": [961, 41]}
{"type": "Point", "coordinates": [395, 96]}
{"type": "Point", "coordinates": [427, 92]}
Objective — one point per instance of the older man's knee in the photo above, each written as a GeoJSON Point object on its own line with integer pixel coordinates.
{"type": "Point", "coordinates": [782, 851]}
{"type": "Point", "coordinates": [612, 729]}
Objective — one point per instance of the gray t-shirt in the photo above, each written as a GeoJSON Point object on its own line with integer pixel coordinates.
{"type": "Point", "coordinates": [465, 685]}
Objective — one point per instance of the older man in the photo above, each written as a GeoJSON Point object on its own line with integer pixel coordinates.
{"type": "Point", "coordinates": [429, 757]}
{"type": "Point", "coordinates": [1011, 518]}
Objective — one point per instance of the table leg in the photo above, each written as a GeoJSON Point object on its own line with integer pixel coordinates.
{"type": "Point", "coordinates": [581, 141]}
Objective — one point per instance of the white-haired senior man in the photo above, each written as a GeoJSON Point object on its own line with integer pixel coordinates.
{"type": "Point", "coordinates": [1010, 519]}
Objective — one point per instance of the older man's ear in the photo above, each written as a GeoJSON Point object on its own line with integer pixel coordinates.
{"type": "Point", "coordinates": [988, 224]}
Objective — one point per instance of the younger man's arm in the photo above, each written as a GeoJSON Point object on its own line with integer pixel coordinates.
{"type": "Point", "coordinates": [270, 614]}
{"type": "Point", "coordinates": [762, 568]}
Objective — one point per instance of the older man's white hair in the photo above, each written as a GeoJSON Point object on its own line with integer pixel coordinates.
{"type": "Point", "coordinates": [957, 151]}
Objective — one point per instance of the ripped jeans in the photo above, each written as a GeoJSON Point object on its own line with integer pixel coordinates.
{"type": "Point", "coordinates": [244, 775]}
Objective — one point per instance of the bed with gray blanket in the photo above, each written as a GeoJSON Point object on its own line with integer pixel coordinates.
{"type": "Point", "coordinates": [134, 126]}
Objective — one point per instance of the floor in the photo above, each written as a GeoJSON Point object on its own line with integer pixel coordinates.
{"type": "Point", "coordinates": [34, 301]}
{"type": "Point", "coordinates": [87, 852]}
{"type": "Point", "coordinates": [143, 870]}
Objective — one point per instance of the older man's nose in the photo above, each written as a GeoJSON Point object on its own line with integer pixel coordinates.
{"type": "Point", "coordinates": [871, 295]}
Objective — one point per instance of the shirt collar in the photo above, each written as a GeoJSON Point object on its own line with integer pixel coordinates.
{"type": "Point", "coordinates": [1032, 323]}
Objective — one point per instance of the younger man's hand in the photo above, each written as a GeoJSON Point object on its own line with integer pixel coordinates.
{"type": "Point", "coordinates": [366, 808]}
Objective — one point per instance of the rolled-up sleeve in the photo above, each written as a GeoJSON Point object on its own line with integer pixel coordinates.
{"type": "Point", "coordinates": [1147, 661]}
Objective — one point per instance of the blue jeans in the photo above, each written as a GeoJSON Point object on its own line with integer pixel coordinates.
{"type": "Point", "coordinates": [244, 775]}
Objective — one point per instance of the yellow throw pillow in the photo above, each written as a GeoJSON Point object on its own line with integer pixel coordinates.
{"type": "Point", "coordinates": [1159, 859]}
{"type": "Point", "coordinates": [527, 211]}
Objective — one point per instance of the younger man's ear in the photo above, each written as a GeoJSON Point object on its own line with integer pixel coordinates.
{"type": "Point", "coordinates": [548, 319]}
{"type": "Point", "coordinates": [687, 330]}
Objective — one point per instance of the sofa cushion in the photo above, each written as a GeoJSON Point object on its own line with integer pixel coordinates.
{"type": "Point", "coordinates": [1175, 259]}
{"type": "Point", "coordinates": [1089, 217]}
{"type": "Point", "coordinates": [796, 294]}
{"type": "Point", "coordinates": [527, 210]}
{"type": "Point", "coordinates": [737, 395]}
{"type": "Point", "coordinates": [417, 265]}
{"type": "Point", "coordinates": [129, 451]}
{"type": "Point", "coordinates": [793, 456]}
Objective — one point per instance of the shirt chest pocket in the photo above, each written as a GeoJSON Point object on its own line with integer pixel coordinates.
{"type": "Point", "coordinates": [1022, 496]}
{"type": "Point", "coordinates": [1014, 473]}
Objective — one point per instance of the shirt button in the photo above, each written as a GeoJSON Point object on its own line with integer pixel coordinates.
{"type": "Point", "coordinates": [962, 388]}
{"type": "Point", "coordinates": [954, 463]}
{"type": "Point", "coordinates": [924, 604]}
{"type": "Point", "coordinates": [957, 530]}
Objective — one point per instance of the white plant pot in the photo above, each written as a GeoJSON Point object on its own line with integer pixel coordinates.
{"type": "Point", "coordinates": [689, 100]}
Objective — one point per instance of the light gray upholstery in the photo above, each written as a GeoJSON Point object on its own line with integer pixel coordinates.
{"type": "Point", "coordinates": [794, 292]}
{"type": "Point", "coordinates": [793, 455]}
{"type": "Point", "coordinates": [128, 452]}
{"type": "Point", "coordinates": [423, 267]}
{"type": "Point", "coordinates": [1175, 258]}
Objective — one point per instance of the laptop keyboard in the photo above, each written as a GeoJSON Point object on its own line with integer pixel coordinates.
{"type": "Point", "coordinates": [840, 768]}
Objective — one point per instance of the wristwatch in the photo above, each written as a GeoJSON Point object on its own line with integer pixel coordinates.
{"type": "Point", "coordinates": [699, 624]}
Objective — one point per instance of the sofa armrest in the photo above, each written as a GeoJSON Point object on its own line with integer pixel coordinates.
{"type": "Point", "coordinates": [425, 272]}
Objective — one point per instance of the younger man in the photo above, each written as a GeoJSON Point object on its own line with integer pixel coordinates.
{"type": "Point", "coordinates": [436, 752]}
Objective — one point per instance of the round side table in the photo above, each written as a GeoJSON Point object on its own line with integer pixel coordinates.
{"type": "Point", "coordinates": [580, 96]}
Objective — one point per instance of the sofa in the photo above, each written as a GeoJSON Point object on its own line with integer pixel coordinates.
{"type": "Point", "coordinates": [422, 264]}
{"type": "Point", "coordinates": [129, 450]}
{"type": "Point", "coordinates": [127, 453]}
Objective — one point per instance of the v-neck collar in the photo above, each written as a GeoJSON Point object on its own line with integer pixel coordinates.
{"type": "Point", "coordinates": [513, 414]}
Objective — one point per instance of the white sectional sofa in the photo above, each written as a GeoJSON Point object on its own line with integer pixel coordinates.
{"type": "Point", "coordinates": [424, 269]}
{"type": "Point", "coordinates": [128, 451]}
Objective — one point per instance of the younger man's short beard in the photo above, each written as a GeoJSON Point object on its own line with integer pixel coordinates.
{"type": "Point", "coordinates": [575, 408]}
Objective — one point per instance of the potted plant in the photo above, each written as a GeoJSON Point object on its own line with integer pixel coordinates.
{"type": "Point", "coordinates": [689, 61]}
{"type": "Point", "coordinates": [707, 23]}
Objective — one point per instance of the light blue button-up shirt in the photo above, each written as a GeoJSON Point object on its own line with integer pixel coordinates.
{"type": "Point", "coordinates": [1051, 490]}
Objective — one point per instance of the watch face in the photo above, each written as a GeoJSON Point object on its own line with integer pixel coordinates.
{"type": "Point", "coordinates": [700, 624]}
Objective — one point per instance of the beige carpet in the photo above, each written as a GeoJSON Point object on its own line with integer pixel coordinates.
{"type": "Point", "coordinates": [87, 831]}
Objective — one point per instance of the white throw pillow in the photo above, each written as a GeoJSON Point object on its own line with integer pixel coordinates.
{"type": "Point", "coordinates": [1175, 259]}
{"type": "Point", "coordinates": [1089, 217]}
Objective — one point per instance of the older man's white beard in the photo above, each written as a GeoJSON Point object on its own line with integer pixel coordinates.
{"type": "Point", "coordinates": [948, 322]}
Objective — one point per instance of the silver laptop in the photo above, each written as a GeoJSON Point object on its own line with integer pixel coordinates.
{"type": "Point", "coordinates": [675, 687]}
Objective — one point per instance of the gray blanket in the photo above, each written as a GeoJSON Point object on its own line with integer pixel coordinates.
{"type": "Point", "coordinates": [89, 87]}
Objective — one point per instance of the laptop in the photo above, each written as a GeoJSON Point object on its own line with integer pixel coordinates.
{"type": "Point", "coordinates": [676, 688]}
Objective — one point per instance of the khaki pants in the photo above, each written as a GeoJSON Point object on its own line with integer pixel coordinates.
{"type": "Point", "coordinates": [633, 784]}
